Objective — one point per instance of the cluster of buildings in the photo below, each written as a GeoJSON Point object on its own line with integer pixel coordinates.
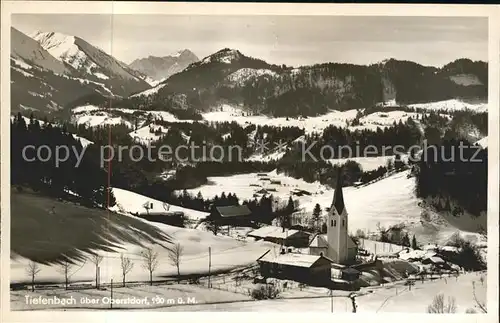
{"type": "Point", "coordinates": [317, 260]}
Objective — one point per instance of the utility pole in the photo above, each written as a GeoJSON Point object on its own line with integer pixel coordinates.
{"type": "Point", "coordinates": [111, 303]}
{"type": "Point", "coordinates": [98, 280]}
{"type": "Point", "coordinates": [331, 300]}
{"type": "Point", "coordinates": [353, 301]}
{"type": "Point", "coordinates": [209, 264]}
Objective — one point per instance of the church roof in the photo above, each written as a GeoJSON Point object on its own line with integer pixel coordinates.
{"type": "Point", "coordinates": [338, 196]}
{"type": "Point", "coordinates": [321, 241]}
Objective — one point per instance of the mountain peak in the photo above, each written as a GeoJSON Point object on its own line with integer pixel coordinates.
{"type": "Point", "coordinates": [225, 55]}
{"type": "Point", "coordinates": [160, 68]}
{"type": "Point", "coordinates": [57, 44]}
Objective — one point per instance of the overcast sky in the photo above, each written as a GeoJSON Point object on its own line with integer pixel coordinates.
{"type": "Point", "coordinates": [291, 40]}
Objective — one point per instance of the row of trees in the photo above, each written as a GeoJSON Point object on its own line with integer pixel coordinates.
{"type": "Point", "coordinates": [148, 257]}
{"type": "Point", "coordinates": [48, 159]}
{"type": "Point", "coordinates": [454, 176]}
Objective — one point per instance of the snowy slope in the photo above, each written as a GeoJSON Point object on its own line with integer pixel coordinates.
{"type": "Point", "coordinates": [149, 92]}
{"type": "Point", "coordinates": [387, 202]}
{"type": "Point", "coordinates": [92, 115]}
{"type": "Point", "coordinates": [126, 234]}
{"type": "Point", "coordinates": [241, 76]}
{"type": "Point", "coordinates": [63, 48]}
{"type": "Point", "coordinates": [131, 202]}
{"type": "Point", "coordinates": [452, 104]}
{"type": "Point", "coordinates": [311, 124]}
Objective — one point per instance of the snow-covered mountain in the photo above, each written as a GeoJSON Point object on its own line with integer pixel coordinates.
{"type": "Point", "coordinates": [26, 52]}
{"type": "Point", "coordinates": [91, 62]}
{"type": "Point", "coordinates": [279, 90]}
{"type": "Point", "coordinates": [40, 82]}
{"type": "Point", "coordinates": [161, 68]}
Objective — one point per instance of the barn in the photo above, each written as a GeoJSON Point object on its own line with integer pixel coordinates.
{"type": "Point", "coordinates": [287, 237]}
{"type": "Point", "coordinates": [233, 215]}
{"type": "Point", "coordinates": [309, 269]}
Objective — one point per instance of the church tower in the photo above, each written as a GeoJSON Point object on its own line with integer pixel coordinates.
{"type": "Point", "coordinates": [337, 233]}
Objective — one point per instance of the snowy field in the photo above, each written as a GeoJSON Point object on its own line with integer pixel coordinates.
{"type": "Point", "coordinates": [226, 254]}
{"type": "Point", "coordinates": [87, 114]}
{"type": "Point", "coordinates": [390, 298]}
{"type": "Point", "coordinates": [387, 202]}
{"type": "Point", "coordinates": [310, 124]}
{"type": "Point", "coordinates": [127, 235]}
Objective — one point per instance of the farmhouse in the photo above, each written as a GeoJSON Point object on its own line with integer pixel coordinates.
{"type": "Point", "coordinates": [313, 270]}
{"type": "Point", "coordinates": [287, 237]}
{"type": "Point", "coordinates": [234, 214]}
{"type": "Point", "coordinates": [336, 244]}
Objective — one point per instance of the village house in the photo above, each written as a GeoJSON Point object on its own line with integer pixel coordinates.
{"type": "Point", "coordinates": [309, 269]}
{"type": "Point", "coordinates": [233, 215]}
{"type": "Point", "coordinates": [287, 237]}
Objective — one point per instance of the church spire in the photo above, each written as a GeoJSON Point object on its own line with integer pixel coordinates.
{"type": "Point", "coordinates": [338, 196]}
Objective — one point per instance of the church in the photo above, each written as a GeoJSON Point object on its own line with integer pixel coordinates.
{"type": "Point", "coordinates": [336, 244]}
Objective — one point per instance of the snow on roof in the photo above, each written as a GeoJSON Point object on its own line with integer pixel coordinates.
{"type": "Point", "coordinates": [290, 259]}
{"type": "Point", "coordinates": [435, 259]}
{"type": "Point", "coordinates": [412, 254]}
{"type": "Point", "coordinates": [321, 241]}
{"type": "Point", "coordinates": [272, 232]}
{"type": "Point", "coordinates": [233, 210]}
{"type": "Point", "coordinates": [450, 248]}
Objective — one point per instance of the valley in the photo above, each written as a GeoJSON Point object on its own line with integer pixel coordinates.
{"type": "Point", "coordinates": [184, 228]}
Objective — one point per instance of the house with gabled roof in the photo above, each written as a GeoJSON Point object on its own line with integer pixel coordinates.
{"type": "Point", "coordinates": [310, 269]}
{"type": "Point", "coordinates": [233, 214]}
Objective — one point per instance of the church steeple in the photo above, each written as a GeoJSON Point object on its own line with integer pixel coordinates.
{"type": "Point", "coordinates": [338, 196]}
{"type": "Point", "coordinates": [337, 229]}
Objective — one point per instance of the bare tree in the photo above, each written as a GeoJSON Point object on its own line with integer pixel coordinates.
{"type": "Point", "coordinates": [65, 268]}
{"type": "Point", "coordinates": [175, 255]}
{"type": "Point", "coordinates": [32, 270]}
{"type": "Point", "coordinates": [150, 262]}
{"type": "Point", "coordinates": [440, 306]}
{"type": "Point", "coordinates": [481, 305]}
{"type": "Point", "coordinates": [482, 279]}
{"type": "Point", "coordinates": [96, 260]}
{"type": "Point", "coordinates": [127, 266]}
